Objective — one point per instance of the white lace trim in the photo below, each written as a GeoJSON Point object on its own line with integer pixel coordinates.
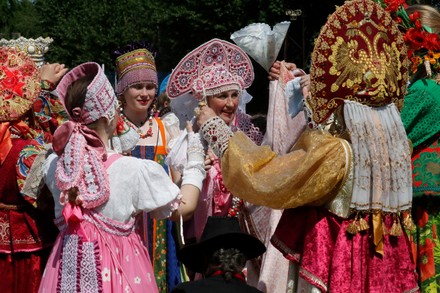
{"type": "Point", "coordinates": [217, 134]}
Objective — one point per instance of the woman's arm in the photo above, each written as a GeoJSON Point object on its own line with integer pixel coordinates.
{"type": "Point", "coordinates": [192, 178]}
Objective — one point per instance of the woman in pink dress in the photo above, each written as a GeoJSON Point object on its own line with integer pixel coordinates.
{"type": "Point", "coordinates": [98, 193]}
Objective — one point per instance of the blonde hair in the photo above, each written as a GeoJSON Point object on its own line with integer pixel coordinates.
{"type": "Point", "coordinates": [429, 16]}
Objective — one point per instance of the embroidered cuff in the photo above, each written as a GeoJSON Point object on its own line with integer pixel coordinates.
{"type": "Point", "coordinates": [217, 134]}
{"type": "Point", "coordinates": [47, 85]}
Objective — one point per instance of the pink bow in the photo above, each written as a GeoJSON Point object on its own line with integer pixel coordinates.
{"type": "Point", "coordinates": [62, 136]}
{"type": "Point", "coordinates": [73, 216]}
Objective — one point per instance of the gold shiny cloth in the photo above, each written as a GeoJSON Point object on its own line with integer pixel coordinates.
{"type": "Point", "coordinates": [311, 174]}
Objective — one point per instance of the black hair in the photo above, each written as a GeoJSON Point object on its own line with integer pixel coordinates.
{"type": "Point", "coordinates": [230, 261]}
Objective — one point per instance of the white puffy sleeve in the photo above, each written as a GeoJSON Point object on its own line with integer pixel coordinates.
{"type": "Point", "coordinates": [156, 191]}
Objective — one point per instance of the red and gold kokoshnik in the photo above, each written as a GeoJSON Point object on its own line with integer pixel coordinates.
{"type": "Point", "coordinates": [360, 55]}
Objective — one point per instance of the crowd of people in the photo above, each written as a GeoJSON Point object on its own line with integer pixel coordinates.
{"type": "Point", "coordinates": [170, 187]}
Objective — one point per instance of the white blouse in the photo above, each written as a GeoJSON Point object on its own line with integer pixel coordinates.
{"type": "Point", "coordinates": [135, 185]}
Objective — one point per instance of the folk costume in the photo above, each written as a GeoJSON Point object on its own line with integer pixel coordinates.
{"type": "Point", "coordinates": [98, 248]}
{"type": "Point", "coordinates": [48, 113]}
{"type": "Point", "coordinates": [420, 118]}
{"type": "Point", "coordinates": [219, 233]}
{"type": "Point", "coordinates": [135, 64]}
{"type": "Point", "coordinates": [284, 124]}
{"type": "Point", "coordinates": [344, 194]}
{"type": "Point", "coordinates": [215, 67]}
{"type": "Point", "coordinates": [26, 233]}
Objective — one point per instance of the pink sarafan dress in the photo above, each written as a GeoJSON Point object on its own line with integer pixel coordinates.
{"type": "Point", "coordinates": [104, 253]}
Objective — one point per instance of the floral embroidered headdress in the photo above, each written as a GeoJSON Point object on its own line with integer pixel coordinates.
{"type": "Point", "coordinates": [35, 48]}
{"type": "Point", "coordinates": [134, 64]}
{"type": "Point", "coordinates": [19, 88]}
{"type": "Point", "coordinates": [212, 68]}
{"type": "Point", "coordinates": [19, 84]}
{"type": "Point", "coordinates": [360, 55]}
{"type": "Point", "coordinates": [81, 152]}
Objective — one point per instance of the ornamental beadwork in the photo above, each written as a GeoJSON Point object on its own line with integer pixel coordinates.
{"type": "Point", "coordinates": [217, 134]}
{"type": "Point", "coordinates": [359, 55]}
{"type": "Point", "coordinates": [205, 59]}
{"type": "Point", "coordinates": [35, 48]}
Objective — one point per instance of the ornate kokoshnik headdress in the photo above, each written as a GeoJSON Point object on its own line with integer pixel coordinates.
{"type": "Point", "coordinates": [212, 68]}
{"type": "Point", "coordinates": [360, 61]}
{"type": "Point", "coordinates": [35, 48]}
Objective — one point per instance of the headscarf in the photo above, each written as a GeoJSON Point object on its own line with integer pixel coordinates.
{"type": "Point", "coordinates": [81, 152]}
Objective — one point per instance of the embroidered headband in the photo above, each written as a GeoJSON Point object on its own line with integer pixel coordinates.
{"type": "Point", "coordinates": [135, 67]}
{"type": "Point", "coordinates": [19, 84]}
{"type": "Point", "coordinates": [210, 69]}
{"type": "Point", "coordinates": [360, 55]}
{"type": "Point", "coordinates": [81, 152]}
{"type": "Point", "coordinates": [100, 98]}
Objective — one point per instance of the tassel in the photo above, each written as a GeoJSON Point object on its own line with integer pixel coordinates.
{"type": "Point", "coordinates": [396, 229]}
{"type": "Point", "coordinates": [363, 225]}
{"type": "Point", "coordinates": [427, 64]}
{"type": "Point", "coordinates": [409, 223]}
{"type": "Point", "coordinates": [353, 227]}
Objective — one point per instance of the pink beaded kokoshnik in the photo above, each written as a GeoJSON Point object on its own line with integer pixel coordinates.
{"type": "Point", "coordinates": [212, 68]}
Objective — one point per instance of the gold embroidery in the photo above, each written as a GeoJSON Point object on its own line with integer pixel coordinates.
{"type": "Point", "coordinates": [365, 60]}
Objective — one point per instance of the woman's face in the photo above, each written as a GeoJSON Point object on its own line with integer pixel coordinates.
{"type": "Point", "coordinates": [225, 105]}
{"type": "Point", "coordinates": [138, 97]}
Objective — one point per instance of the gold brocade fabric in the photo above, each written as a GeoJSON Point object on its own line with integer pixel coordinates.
{"type": "Point", "coordinates": [311, 174]}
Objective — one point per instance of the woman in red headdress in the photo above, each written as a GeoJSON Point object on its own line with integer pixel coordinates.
{"type": "Point", "coordinates": [344, 188]}
{"type": "Point", "coordinates": [26, 232]}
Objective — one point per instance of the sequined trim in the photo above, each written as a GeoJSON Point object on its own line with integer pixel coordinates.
{"type": "Point", "coordinates": [314, 280]}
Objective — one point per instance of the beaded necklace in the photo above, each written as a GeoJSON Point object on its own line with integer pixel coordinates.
{"type": "Point", "coordinates": [149, 132]}
{"type": "Point", "coordinates": [233, 211]}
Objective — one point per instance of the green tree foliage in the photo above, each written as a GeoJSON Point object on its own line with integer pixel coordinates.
{"type": "Point", "coordinates": [183, 25]}
{"type": "Point", "coordinates": [90, 30]}
{"type": "Point", "coordinates": [18, 18]}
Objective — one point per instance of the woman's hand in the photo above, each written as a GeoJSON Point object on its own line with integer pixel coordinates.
{"type": "Point", "coordinates": [209, 159]}
{"type": "Point", "coordinates": [204, 114]}
{"type": "Point", "coordinates": [52, 72]}
{"type": "Point", "coordinates": [305, 84]}
{"type": "Point", "coordinates": [274, 71]}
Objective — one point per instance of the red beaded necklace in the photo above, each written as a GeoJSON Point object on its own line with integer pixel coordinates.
{"type": "Point", "coordinates": [149, 132]}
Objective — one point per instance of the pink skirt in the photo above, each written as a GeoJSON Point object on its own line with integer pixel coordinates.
{"type": "Point", "coordinates": [335, 261]}
{"type": "Point", "coordinates": [122, 261]}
